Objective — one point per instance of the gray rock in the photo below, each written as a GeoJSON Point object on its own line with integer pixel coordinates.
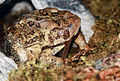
{"type": "Point", "coordinates": [76, 7]}
{"type": "Point", "coordinates": [21, 6]}
{"type": "Point", "coordinates": [6, 65]}
{"type": "Point", "coordinates": [2, 1]}
{"type": "Point", "coordinates": [108, 61]}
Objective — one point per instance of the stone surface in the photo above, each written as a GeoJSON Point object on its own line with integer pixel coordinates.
{"type": "Point", "coordinates": [108, 61]}
{"type": "Point", "coordinates": [6, 65]}
{"type": "Point", "coordinates": [21, 6]}
{"type": "Point", "coordinates": [76, 7]}
{"type": "Point", "coordinates": [2, 1]}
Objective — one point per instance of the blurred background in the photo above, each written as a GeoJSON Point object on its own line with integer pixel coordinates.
{"type": "Point", "coordinates": [10, 10]}
{"type": "Point", "coordinates": [12, 6]}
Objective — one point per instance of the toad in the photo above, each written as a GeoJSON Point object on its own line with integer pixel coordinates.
{"type": "Point", "coordinates": [43, 33]}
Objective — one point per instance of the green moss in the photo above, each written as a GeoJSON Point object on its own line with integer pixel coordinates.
{"type": "Point", "coordinates": [106, 29]}
{"type": "Point", "coordinates": [32, 71]}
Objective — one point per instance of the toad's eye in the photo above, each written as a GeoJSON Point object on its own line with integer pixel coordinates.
{"type": "Point", "coordinates": [70, 26]}
{"type": "Point", "coordinates": [66, 34]}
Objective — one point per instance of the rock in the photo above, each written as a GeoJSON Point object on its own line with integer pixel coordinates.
{"type": "Point", "coordinates": [6, 65]}
{"type": "Point", "coordinates": [108, 61]}
{"type": "Point", "coordinates": [76, 7]}
{"type": "Point", "coordinates": [2, 1]}
{"type": "Point", "coordinates": [23, 5]}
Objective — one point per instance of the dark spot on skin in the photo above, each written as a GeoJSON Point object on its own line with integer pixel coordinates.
{"type": "Point", "coordinates": [25, 35]}
{"type": "Point", "coordinates": [39, 18]}
{"type": "Point", "coordinates": [31, 23]}
{"type": "Point", "coordinates": [51, 39]}
{"type": "Point", "coordinates": [22, 24]}
{"type": "Point", "coordinates": [54, 14]}
{"type": "Point", "coordinates": [38, 25]}
{"type": "Point", "coordinates": [45, 13]}
{"type": "Point", "coordinates": [19, 19]}
{"type": "Point", "coordinates": [32, 40]}
{"type": "Point", "coordinates": [29, 42]}
{"type": "Point", "coordinates": [31, 51]}
{"type": "Point", "coordinates": [35, 38]}
{"type": "Point", "coordinates": [41, 36]}
{"type": "Point", "coordinates": [32, 32]}
{"type": "Point", "coordinates": [58, 36]}
{"type": "Point", "coordinates": [40, 11]}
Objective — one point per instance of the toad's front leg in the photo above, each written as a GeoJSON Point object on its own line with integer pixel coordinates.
{"type": "Point", "coordinates": [80, 41]}
{"type": "Point", "coordinates": [47, 57]}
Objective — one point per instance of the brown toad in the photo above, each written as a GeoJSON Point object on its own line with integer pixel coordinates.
{"type": "Point", "coordinates": [44, 32]}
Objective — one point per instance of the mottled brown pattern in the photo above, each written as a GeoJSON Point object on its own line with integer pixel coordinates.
{"type": "Point", "coordinates": [43, 28]}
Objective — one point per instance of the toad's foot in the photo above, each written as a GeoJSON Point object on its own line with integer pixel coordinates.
{"type": "Point", "coordinates": [47, 58]}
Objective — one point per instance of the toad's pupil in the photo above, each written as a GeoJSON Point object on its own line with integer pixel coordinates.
{"type": "Point", "coordinates": [70, 26]}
